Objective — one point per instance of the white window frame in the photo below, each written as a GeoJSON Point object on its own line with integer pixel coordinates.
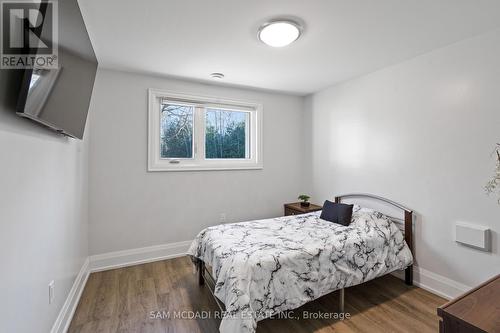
{"type": "Point", "coordinates": [199, 162]}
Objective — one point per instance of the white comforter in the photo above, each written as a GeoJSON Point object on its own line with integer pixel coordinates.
{"type": "Point", "coordinates": [267, 266]}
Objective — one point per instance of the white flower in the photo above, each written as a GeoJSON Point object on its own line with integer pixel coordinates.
{"type": "Point", "coordinates": [494, 184]}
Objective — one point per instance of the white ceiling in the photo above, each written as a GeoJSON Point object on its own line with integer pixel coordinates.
{"type": "Point", "coordinates": [342, 39]}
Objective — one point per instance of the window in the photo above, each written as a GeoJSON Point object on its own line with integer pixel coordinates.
{"type": "Point", "coordinates": [226, 134]}
{"type": "Point", "coordinates": [202, 133]}
{"type": "Point", "coordinates": [176, 131]}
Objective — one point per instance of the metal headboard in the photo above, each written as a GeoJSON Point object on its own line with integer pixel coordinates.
{"type": "Point", "coordinates": [408, 223]}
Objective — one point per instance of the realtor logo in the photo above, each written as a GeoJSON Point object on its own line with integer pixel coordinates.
{"type": "Point", "coordinates": [29, 34]}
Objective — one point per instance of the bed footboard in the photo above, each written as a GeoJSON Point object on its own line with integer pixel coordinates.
{"type": "Point", "coordinates": [210, 281]}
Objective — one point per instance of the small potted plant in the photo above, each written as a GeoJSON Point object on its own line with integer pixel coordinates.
{"type": "Point", "coordinates": [304, 200]}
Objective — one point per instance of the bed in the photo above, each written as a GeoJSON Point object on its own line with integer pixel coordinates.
{"type": "Point", "coordinates": [258, 269]}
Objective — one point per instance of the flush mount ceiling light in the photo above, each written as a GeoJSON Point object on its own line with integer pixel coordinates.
{"type": "Point", "coordinates": [279, 33]}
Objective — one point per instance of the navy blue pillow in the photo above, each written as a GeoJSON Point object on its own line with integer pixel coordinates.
{"type": "Point", "coordinates": [337, 212]}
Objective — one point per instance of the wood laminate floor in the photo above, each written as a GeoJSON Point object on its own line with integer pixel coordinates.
{"type": "Point", "coordinates": [123, 300]}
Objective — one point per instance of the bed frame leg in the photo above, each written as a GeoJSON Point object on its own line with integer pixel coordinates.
{"type": "Point", "coordinates": [409, 275]}
{"type": "Point", "coordinates": [201, 268]}
{"type": "Point", "coordinates": [341, 302]}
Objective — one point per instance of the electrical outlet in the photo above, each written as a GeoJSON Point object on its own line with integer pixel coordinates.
{"type": "Point", "coordinates": [51, 291]}
{"type": "Point", "coordinates": [222, 218]}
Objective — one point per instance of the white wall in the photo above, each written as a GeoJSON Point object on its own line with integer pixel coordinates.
{"type": "Point", "coordinates": [421, 133]}
{"type": "Point", "coordinates": [131, 208]}
{"type": "Point", "coordinates": [43, 216]}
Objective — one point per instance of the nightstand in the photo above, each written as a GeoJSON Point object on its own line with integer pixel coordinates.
{"type": "Point", "coordinates": [476, 311]}
{"type": "Point", "coordinates": [295, 208]}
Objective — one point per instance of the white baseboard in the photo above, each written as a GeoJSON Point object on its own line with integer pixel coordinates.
{"type": "Point", "coordinates": [435, 283]}
{"type": "Point", "coordinates": [111, 260]}
{"type": "Point", "coordinates": [63, 320]}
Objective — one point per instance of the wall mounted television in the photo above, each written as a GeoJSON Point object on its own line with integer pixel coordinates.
{"type": "Point", "coordinates": [60, 98]}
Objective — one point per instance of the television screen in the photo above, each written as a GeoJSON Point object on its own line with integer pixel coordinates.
{"type": "Point", "coordinates": [59, 98]}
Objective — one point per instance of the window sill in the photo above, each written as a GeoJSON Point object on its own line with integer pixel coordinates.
{"type": "Point", "coordinates": [203, 168]}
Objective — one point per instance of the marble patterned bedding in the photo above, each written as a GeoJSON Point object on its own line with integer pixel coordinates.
{"type": "Point", "coordinates": [264, 267]}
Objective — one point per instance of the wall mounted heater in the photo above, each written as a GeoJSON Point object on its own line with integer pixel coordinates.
{"type": "Point", "coordinates": [473, 235]}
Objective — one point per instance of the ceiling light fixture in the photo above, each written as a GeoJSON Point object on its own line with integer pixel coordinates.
{"type": "Point", "coordinates": [279, 33]}
{"type": "Point", "coordinates": [217, 76]}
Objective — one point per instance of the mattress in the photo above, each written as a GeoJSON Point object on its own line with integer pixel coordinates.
{"type": "Point", "coordinates": [264, 267]}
